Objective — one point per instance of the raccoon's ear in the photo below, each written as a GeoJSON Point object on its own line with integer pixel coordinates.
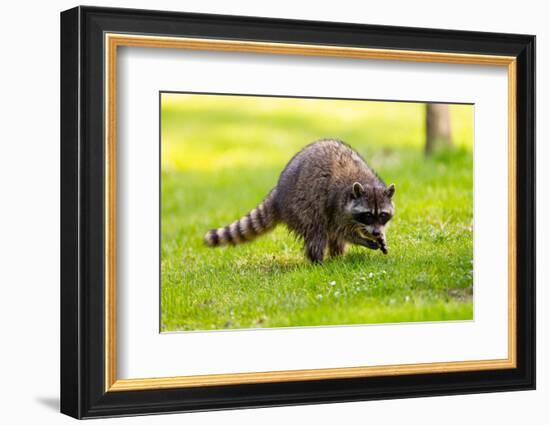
{"type": "Point", "coordinates": [390, 190]}
{"type": "Point", "coordinates": [358, 189]}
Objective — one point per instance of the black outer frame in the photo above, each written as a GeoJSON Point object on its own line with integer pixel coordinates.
{"type": "Point", "coordinates": [82, 216]}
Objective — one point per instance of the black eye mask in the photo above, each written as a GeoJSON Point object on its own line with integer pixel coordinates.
{"type": "Point", "coordinates": [368, 218]}
{"type": "Point", "coordinates": [383, 218]}
{"type": "Point", "coordinates": [365, 218]}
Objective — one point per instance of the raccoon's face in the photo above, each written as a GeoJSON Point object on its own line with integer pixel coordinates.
{"type": "Point", "coordinates": [371, 208]}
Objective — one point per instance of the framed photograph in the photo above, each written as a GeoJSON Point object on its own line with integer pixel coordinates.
{"type": "Point", "coordinates": [261, 212]}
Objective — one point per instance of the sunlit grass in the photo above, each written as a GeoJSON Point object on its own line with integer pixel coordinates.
{"type": "Point", "coordinates": [221, 155]}
{"type": "Point", "coordinates": [245, 130]}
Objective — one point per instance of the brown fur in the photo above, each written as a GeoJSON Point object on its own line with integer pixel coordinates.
{"type": "Point", "coordinates": [328, 196]}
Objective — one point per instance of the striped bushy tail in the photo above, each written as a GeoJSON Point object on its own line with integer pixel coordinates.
{"type": "Point", "coordinates": [257, 222]}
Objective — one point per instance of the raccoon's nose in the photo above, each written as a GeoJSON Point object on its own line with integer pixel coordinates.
{"type": "Point", "coordinates": [376, 233]}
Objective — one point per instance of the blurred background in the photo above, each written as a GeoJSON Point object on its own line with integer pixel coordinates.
{"type": "Point", "coordinates": [263, 130]}
{"type": "Point", "coordinates": [222, 154]}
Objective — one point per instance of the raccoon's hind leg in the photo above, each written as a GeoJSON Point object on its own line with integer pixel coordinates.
{"type": "Point", "coordinates": [315, 245]}
{"type": "Point", "coordinates": [336, 246]}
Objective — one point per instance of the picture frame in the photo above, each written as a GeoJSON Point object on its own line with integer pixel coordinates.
{"type": "Point", "coordinates": [90, 40]}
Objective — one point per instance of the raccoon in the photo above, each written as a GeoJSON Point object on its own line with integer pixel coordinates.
{"type": "Point", "coordinates": [326, 195]}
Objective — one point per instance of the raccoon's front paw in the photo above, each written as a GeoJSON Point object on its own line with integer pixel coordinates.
{"type": "Point", "coordinates": [383, 246]}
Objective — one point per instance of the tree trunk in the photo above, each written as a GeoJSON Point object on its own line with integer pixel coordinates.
{"type": "Point", "coordinates": [438, 126]}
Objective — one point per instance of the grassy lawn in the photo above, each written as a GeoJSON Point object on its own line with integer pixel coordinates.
{"type": "Point", "coordinates": [221, 156]}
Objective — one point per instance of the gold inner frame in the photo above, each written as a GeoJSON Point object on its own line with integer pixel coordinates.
{"type": "Point", "coordinates": [113, 41]}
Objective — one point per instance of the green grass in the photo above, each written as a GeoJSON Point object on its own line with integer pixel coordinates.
{"type": "Point", "coordinates": [220, 157]}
